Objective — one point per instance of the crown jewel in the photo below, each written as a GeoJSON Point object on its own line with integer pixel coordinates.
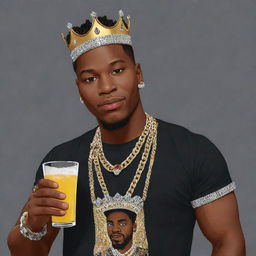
{"type": "Point", "coordinates": [69, 25]}
{"type": "Point", "coordinates": [127, 202]}
{"type": "Point", "coordinates": [93, 14]}
{"type": "Point", "coordinates": [98, 35]}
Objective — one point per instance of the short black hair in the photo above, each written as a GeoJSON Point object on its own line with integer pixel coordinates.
{"type": "Point", "coordinates": [85, 27]}
{"type": "Point", "coordinates": [131, 215]}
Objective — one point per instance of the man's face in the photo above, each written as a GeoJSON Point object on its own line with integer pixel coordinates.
{"type": "Point", "coordinates": [107, 81]}
{"type": "Point", "coordinates": [120, 229]}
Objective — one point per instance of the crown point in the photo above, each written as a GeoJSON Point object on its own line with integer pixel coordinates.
{"type": "Point", "coordinates": [128, 17]}
{"type": "Point", "coordinates": [121, 14]}
{"type": "Point", "coordinates": [93, 14]}
{"type": "Point", "coordinates": [69, 25]}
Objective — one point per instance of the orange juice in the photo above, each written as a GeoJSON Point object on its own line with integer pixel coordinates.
{"type": "Point", "coordinates": [65, 174]}
{"type": "Point", "coordinates": [67, 185]}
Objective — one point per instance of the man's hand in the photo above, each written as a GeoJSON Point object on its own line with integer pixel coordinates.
{"type": "Point", "coordinates": [43, 203]}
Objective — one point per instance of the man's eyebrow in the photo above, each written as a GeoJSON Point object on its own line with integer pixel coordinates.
{"type": "Point", "coordinates": [91, 71]}
{"type": "Point", "coordinates": [116, 61]}
{"type": "Point", "coordinates": [122, 220]}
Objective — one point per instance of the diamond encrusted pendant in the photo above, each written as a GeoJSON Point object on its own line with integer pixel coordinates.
{"type": "Point", "coordinates": [117, 169]}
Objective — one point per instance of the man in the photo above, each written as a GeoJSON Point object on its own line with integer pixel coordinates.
{"type": "Point", "coordinates": [121, 226]}
{"type": "Point", "coordinates": [169, 176]}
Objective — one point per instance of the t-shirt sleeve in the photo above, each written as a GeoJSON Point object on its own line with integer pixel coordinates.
{"type": "Point", "coordinates": [211, 179]}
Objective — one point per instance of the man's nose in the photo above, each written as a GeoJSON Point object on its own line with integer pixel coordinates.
{"type": "Point", "coordinates": [107, 85]}
{"type": "Point", "coordinates": [116, 228]}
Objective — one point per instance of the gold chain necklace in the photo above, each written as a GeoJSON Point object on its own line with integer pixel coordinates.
{"type": "Point", "coordinates": [150, 146]}
{"type": "Point", "coordinates": [134, 204]}
{"type": "Point", "coordinates": [117, 168]}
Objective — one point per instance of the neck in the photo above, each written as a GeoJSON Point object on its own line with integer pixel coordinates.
{"type": "Point", "coordinates": [129, 131]}
{"type": "Point", "coordinates": [126, 249]}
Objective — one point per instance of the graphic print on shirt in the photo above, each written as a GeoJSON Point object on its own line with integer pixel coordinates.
{"type": "Point", "coordinates": [119, 226]}
{"type": "Point", "coordinates": [119, 220]}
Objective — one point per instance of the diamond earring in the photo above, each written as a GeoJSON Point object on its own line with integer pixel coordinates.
{"type": "Point", "coordinates": [81, 100]}
{"type": "Point", "coordinates": [141, 85]}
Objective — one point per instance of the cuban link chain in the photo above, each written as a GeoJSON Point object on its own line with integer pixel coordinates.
{"type": "Point", "coordinates": [117, 168]}
{"type": "Point", "coordinates": [150, 145]}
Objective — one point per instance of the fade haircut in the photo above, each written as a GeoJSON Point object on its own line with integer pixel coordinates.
{"type": "Point", "coordinates": [131, 215]}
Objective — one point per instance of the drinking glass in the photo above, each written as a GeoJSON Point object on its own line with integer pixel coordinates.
{"type": "Point", "coordinates": [65, 174]}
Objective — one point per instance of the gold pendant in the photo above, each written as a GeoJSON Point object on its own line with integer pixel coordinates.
{"type": "Point", "coordinates": [106, 237]}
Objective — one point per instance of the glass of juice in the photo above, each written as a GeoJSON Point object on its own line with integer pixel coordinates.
{"type": "Point", "coordinates": [65, 174]}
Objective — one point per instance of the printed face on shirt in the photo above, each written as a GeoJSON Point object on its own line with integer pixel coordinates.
{"type": "Point", "coordinates": [107, 80]}
{"type": "Point", "coordinates": [120, 228]}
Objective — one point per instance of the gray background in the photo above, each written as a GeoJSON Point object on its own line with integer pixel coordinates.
{"type": "Point", "coordinates": [198, 59]}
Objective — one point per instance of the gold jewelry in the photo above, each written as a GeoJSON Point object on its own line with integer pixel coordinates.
{"type": "Point", "coordinates": [98, 35]}
{"type": "Point", "coordinates": [117, 168]}
{"type": "Point", "coordinates": [135, 204]}
{"type": "Point", "coordinates": [94, 156]}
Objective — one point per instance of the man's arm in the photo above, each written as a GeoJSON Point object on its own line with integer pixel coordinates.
{"type": "Point", "coordinates": [219, 222]}
{"type": "Point", "coordinates": [41, 205]}
{"type": "Point", "coordinates": [20, 246]}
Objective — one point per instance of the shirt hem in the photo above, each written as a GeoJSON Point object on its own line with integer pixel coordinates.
{"type": "Point", "coordinates": [214, 195]}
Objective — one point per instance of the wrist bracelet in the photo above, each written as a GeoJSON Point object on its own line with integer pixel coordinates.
{"type": "Point", "coordinates": [26, 232]}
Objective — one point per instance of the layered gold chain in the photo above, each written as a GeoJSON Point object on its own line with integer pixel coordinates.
{"type": "Point", "coordinates": [117, 168]}
{"type": "Point", "coordinates": [150, 146]}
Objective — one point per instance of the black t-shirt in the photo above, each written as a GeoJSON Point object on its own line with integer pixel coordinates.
{"type": "Point", "coordinates": [188, 172]}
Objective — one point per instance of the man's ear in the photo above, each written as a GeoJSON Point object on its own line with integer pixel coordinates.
{"type": "Point", "coordinates": [139, 73]}
{"type": "Point", "coordinates": [134, 227]}
{"type": "Point", "coordinates": [81, 100]}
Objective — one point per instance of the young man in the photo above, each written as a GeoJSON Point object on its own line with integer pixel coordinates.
{"type": "Point", "coordinates": [169, 176]}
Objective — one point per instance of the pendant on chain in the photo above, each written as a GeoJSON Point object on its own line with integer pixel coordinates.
{"type": "Point", "coordinates": [117, 169]}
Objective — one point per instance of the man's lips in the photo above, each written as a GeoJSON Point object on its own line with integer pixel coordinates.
{"type": "Point", "coordinates": [111, 103]}
{"type": "Point", "coordinates": [116, 236]}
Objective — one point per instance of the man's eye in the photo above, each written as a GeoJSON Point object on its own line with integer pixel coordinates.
{"type": "Point", "coordinates": [90, 79]}
{"type": "Point", "coordinates": [109, 224]}
{"type": "Point", "coordinates": [118, 70]}
{"type": "Point", "coordinates": [122, 224]}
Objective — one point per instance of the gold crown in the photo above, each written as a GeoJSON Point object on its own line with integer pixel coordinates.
{"type": "Point", "coordinates": [98, 35]}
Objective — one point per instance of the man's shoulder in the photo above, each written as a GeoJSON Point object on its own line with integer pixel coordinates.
{"type": "Point", "coordinates": [82, 140]}
{"type": "Point", "coordinates": [178, 132]}
{"type": "Point", "coordinates": [183, 139]}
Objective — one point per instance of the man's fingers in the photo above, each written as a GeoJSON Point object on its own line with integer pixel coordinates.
{"type": "Point", "coordinates": [45, 201]}
{"type": "Point", "coordinates": [48, 192]}
{"type": "Point", "coordinates": [47, 183]}
{"type": "Point", "coordinates": [49, 202]}
{"type": "Point", "coordinates": [46, 211]}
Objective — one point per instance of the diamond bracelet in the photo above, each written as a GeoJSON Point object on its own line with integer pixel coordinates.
{"type": "Point", "coordinates": [26, 232]}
